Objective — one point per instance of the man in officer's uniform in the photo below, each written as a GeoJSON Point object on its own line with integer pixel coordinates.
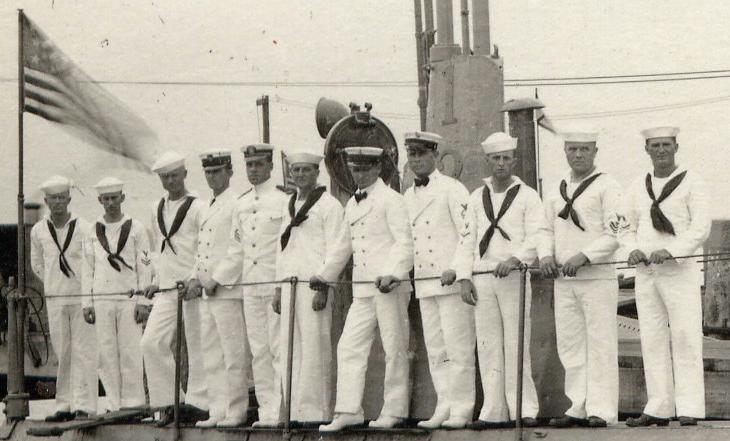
{"type": "Point", "coordinates": [312, 223]}
{"type": "Point", "coordinates": [501, 231]}
{"type": "Point", "coordinates": [175, 222]}
{"type": "Point", "coordinates": [378, 236]}
{"type": "Point", "coordinates": [583, 218]}
{"type": "Point", "coordinates": [668, 215]}
{"type": "Point", "coordinates": [256, 221]}
{"type": "Point", "coordinates": [117, 260]}
{"type": "Point", "coordinates": [55, 257]}
{"type": "Point", "coordinates": [223, 329]}
{"type": "Point", "coordinates": [436, 208]}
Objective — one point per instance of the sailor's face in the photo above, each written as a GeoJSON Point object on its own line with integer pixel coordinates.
{"type": "Point", "coordinates": [581, 156]}
{"type": "Point", "coordinates": [502, 164]}
{"type": "Point", "coordinates": [218, 178]}
{"type": "Point", "coordinates": [112, 202]}
{"type": "Point", "coordinates": [258, 170]}
{"type": "Point", "coordinates": [304, 175]}
{"type": "Point", "coordinates": [662, 151]}
{"type": "Point", "coordinates": [174, 181]}
{"type": "Point", "coordinates": [364, 175]}
{"type": "Point", "coordinates": [421, 160]}
{"type": "Point", "coordinates": [58, 203]}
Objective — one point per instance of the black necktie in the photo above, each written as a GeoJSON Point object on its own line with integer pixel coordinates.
{"type": "Point", "coordinates": [176, 222]}
{"type": "Point", "coordinates": [62, 262]}
{"type": "Point", "coordinates": [212, 201]}
{"type": "Point", "coordinates": [301, 216]}
{"type": "Point", "coordinates": [494, 222]}
{"type": "Point", "coordinates": [568, 210]}
{"type": "Point", "coordinates": [360, 195]}
{"type": "Point", "coordinates": [658, 219]}
{"type": "Point", "coordinates": [114, 258]}
{"type": "Point", "coordinates": [421, 182]}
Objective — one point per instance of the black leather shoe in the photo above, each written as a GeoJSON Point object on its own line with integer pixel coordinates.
{"type": "Point", "coordinates": [594, 421]}
{"type": "Point", "coordinates": [484, 425]}
{"type": "Point", "coordinates": [60, 417]}
{"type": "Point", "coordinates": [81, 415]}
{"type": "Point", "coordinates": [167, 416]}
{"type": "Point", "coordinates": [191, 414]}
{"type": "Point", "coordinates": [529, 422]}
{"type": "Point", "coordinates": [567, 421]}
{"type": "Point", "coordinates": [646, 420]}
{"type": "Point", "coordinates": [687, 421]}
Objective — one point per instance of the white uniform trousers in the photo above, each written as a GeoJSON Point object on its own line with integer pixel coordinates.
{"type": "Point", "coordinates": [448, 331]}
{"type": "Point", "coordinates": [225, 357]}
{"type": "Point", "coordinates": [262, 329]}
{"type": "Point", "coordinates": [312, 355]}
{"type": "Point", "coordinates": [158, 356]}
{"type": "Point", "coordinates": [75, 346]}
{"type": "Point", "coordinates": [670, 320]}
{"type": "Point", "coordinates": [496, 318]}
{"type": "Point", "coordinates": [389, 314]}
{"type": "Point", "coordinates": [587, 338]}
{"type": "Point", "coordinates": [120, 355]}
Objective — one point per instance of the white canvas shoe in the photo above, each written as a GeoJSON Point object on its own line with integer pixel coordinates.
{"type": "Point", "coordinates": [455, 423]}
{"type": "Point", "coordinates": [341, 421]}
{"type": "Point", "coordinates": [385, 422]}
{"type": "Point", "coordinates": [435, 421]}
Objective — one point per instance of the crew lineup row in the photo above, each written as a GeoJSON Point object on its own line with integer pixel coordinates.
{"type": "Point", "coordinates": [465, 251]}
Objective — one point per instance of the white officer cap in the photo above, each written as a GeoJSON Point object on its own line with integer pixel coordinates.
{"type": "Point", "coordinates": [360, 155]}
{"type": "Point", "coordinates": [303, 158]}
{"type": "Point", "coordinates": [109, 185]}
{"type": "Point", "coordinates": [422, 139]}
{"type": "Point", "coordinates": [660, 132]}
{"type": "Point", "coordinates": [253, 152]}
{"type": "Point", "coordinates": [499, 142]}
{"type": "Point", "coordinates": [56, 184]}
{"type": "Point", "coordinates": [215, 159]}
{"type": "Point", "coordinates": [168, 162]}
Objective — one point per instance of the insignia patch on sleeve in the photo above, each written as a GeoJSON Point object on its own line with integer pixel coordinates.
{"type": "Point", "coordinates": [237, 235]}
{"type": "Point", "coordinates": [465, 231]}
{"type": "Point", "coordinates": [145, 259]}
{"type": "Point", "coordinates": [618, 224]}
{"type": "Point", "coordinates": [463, 210]}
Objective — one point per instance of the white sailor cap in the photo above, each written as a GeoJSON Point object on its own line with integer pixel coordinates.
{"type": "Point", "coordinates": [499, 142]}
{"type": "Point", "coordinates": [109, 185]}
{"type": "Point", "coordinates": [215, 159]}
{"type": "Point", "coordinates": [56, 184]}
{"type": "Point", "coordinates": [360, 155]}
{"type": "Point", "coordinates": [168, 162]}
{"type": "Point", "coordinates": [253, 152]}
{"type": "Point", "coordinates": [580, 135]}
{"type": "Point", "coordinates": [422, 139]}
{"type": "Point", "coordinates": [303, 158]}
{"type": "Point", "coordinates": [660, 132]}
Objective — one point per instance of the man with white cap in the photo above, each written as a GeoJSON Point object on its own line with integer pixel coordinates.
{"type": "Point", "coordinates": [55, 258]}
{"type": "Point", "coordinates": [501, 231]}
{"type": "Point", "coordinates": [117, 260]}
{"type": "Point", "coordinates": [668, 215]}
{"type": "Point", "coordinates": [581, 232]}
{"type": "Point", "coordinates": [436, 208]}
{"type": "Point", "coordinates": [377, 234]}
{"type": "Point", "coordinates": [222, 327]}
{"type": "Point", "coordinates": [251, 257]}
{"type": "Point", "coordinates": [175, 222]}
{"type": "Point", "coordinates": [312, 223]}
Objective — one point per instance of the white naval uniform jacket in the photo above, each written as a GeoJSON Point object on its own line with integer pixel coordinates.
{"type": "Point", "coordinates": [599, 213]}
{"type": "Point", "coordinates": [44, 261]}
{"type": "Point", "coordinates": [213, 241]}
{"type": "Point", "coordinates": [522, 222]}
{"type": "Point", "coordinates": [170, 266]}
{"type": "Point", "coordinates": [687, 208]}
{"type": "Point", "coordinates": [255, 225]}
{"type": "Point", "coordinates": [378, 237]}
{"type": "Point", "coordinates": [99, 277]}
{"type": "Point", "coordinates": [437, 213]}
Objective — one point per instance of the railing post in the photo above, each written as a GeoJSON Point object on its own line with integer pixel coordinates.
{"type": "Point", "coordinates": [294, 281]}
{"type": "Point", "coordinates": [520, 351]}
{"type": "Point", "coordinates": [178, 362]}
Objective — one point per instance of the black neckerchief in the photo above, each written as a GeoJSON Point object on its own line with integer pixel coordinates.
{"type": "Point", "coordinates": [301, 215]}
{"type": "Point", "coordinates": [658, 219]}
{"type": "Point", "coordinates": [494, 222]}
{"type": "Point", "coordinates": [62, 262]}
{"type": "Point", "coordinates": [176, 223]}
{"type": "Point", "coordinates": [114, 258]}
{"type": "Point", "coordinates": [568, 210]}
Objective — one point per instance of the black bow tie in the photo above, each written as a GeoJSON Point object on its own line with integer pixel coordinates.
{"type": "Point", "coordinates": [421, 182]}
{"type": "Point", "coordinates": [360, 195]}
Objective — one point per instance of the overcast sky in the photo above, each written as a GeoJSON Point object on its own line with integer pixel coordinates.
{"type": "Point", "coordinates": [318, 40]}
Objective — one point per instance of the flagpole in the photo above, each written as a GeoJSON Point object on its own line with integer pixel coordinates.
{"type": "Point", "coordinates": [17, 400]}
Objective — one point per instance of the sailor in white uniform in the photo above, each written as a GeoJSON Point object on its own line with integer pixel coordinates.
{"type": "Point", "coordinates": [223, 330]}
{"type": "Point", "coordinates": [668, 215]}
{"type": "Point", "coordinates": [378, 236]}
{"type": "Point", "coordinates": [251, 257]}
{"type": "Point", "coordinates": [501, 231]}
{"type": "Point", "coordinates": [55, 257]}
{"type": "Point", "coordinates": [117, 260]}
{"type": "Point", "coordinates": [436, 209]}
{"type": "Point", "coordinates": [582, 228]}
{"type": "Point", "coordinates": [175, 222]}
{"type": "Point", "coordinates": [312, 223]}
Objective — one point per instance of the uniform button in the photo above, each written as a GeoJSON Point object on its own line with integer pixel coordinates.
{"type": "Point", "coordinates": [253, 245]}
{"type": "Point", "coordinates": [254, 262]}
{"type": "Point", "coordinates": [426, 222]}
{"type": "Point", "coordinates": [363, 237]}
{"type": "Point", "coordinates": [430, 251]}
{"type": "Point", "coordinates": [253, 228]}
{"type": "Point", "coordinates": [413, 224]}
{"type": "Point", "coordinates": [416, 252]}
{"type": "Point", "coordinates": [256, 198]}
{"type": "Point", "coordinates": [254, 212]}
{"type": "Point", "coordinates": [429, 237]}
{"type": "Point", "coordinates": [419, 266]}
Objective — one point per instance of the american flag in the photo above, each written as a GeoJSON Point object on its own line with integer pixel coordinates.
{"type": "Point", "coordinates": [57, 90]}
